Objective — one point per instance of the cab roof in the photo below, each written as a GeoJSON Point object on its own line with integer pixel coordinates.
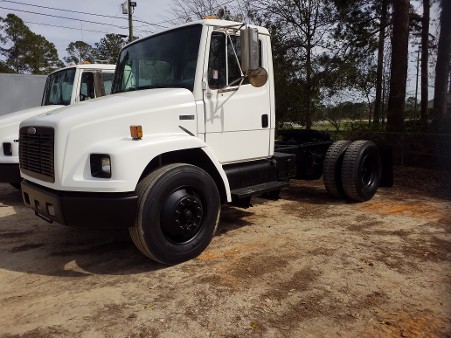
{"type": "Point", "coordinates": [88, 66]}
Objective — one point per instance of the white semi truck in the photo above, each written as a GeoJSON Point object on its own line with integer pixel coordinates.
{"type": "Point", "coordinates": [63, 87]}
{"type": "Point", "coordinates": [190, 126]}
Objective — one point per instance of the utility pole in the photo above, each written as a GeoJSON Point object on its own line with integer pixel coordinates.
{"type": "Point", "coordinates": [128, 7]}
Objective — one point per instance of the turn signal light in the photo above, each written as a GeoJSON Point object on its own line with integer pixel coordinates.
{"type": "Point", "coordinates": [136, 132]}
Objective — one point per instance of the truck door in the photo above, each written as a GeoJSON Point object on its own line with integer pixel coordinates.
{"type": "Point", "coordinates": [237, 120]}
{"type": "Point", "coordinates": [86, 86]}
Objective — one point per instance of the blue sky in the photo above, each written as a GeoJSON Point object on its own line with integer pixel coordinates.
{"type": "Point", "coordinates": [71, 23]}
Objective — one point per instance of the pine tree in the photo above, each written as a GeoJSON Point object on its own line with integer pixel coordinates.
{"type": "Point", "coordinates": [399, 60]}
{"type": "Point", "coordinates": [25, 51]}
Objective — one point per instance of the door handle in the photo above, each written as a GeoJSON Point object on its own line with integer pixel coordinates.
{"type": "Point", "coordinates": [265, 121]}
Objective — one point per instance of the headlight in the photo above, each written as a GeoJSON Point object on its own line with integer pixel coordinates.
{"type": "Point", "coordinates": [100, 165]}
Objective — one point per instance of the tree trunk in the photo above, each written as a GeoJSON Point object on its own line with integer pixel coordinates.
{"type": "Point", "coordinates": [380, 63]}
{"type": "Point", "coordinates": [442, 67]}
{"type": "Point", "coordinates": [424, 62]}
{"type": "Point", "coordinates": [308, 115]}
{"type": "Point", "coordinates": [399, 58]}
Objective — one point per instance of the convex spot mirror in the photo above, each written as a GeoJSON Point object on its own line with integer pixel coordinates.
{"type": "Point", "coordinates": [250, 57]}
{"type": "Point", "coordinates": [258, 77]}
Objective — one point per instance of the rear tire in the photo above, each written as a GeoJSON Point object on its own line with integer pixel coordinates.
{"type": "Point", "coordinates": [332, 168]}
{"type": "Point", "coordinates": [361, 170]}
{"type": "Point", "coordinates": [178, 213]}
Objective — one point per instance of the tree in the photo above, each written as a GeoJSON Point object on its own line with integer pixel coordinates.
{"type": "Point", "coordinates": [306, 27]}
{"type": "Point", "coordinates": [442, 67]}
{"type": "Point", "coordinates": [288, 88]}
{"type": "Point", "coordinates": [189, 10]}
{"type": "Point", "coordinates": [425, 61]}
{"type": "Point", "coordinates": [4, 68]}
{"type": "Point", "coordinates": [399, 60]}
{"type": "Point", "coordinates": [25, 51]}
{"type": "Point", "coordinates": [108, 48]}
{"type": "Point", "coordinates": [43, 58]}
{"type": "Point", "coordinates": [78, 52]}
{"type": "Point", "coordinates": [380, 62]}
{"type": "Point", "coordinates": [16, 34]}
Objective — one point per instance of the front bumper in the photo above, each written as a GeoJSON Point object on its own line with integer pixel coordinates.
{"type": "Point", "coordinates": [9, 173]}
{"type": "Point", "coordinates": [81, 209]}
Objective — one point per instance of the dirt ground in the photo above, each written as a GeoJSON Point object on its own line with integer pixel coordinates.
{"type": "Point", "coordinates": [306, 265]}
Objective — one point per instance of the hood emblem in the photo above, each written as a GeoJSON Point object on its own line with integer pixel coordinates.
{"type": "Point", "coordinates": [31, 131]}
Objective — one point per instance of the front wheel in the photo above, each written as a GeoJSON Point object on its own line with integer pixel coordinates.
{"type": "Point", "coordinates": [178, 213]}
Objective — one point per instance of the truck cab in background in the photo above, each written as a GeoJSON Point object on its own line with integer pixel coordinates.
{"type": "Point", "coordinates": [77, 83]}
{"type": "Point", "coordinates": [63, 87]}
{"type": "Point", "coordinates": [190, 125]}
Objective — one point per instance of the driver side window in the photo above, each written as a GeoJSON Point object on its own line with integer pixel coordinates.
{"type": "Point", "coordinates": [217, 62]}
{"type": "Point", "coordinates": [223, 65]}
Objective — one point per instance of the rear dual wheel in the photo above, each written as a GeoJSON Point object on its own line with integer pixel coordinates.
{"type": "Point", "coordinates": [332, 168]}
{"type": "Point", "coordinates": [361, 170]}
{"type": "Point", "coordinates": [352, 170]}
{"type": "Point", "coordinates": [178, 213]}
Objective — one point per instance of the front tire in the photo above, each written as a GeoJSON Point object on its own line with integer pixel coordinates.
{"type": "Point", "coordinates": [178, 213]}
{"type": "Point", "coordinates": [361, 170]}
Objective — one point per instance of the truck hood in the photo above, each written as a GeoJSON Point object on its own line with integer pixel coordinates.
{"type": "Point", "coordinates": [136, 106]}
{"type": "Point", "coordinates": [19, 116]}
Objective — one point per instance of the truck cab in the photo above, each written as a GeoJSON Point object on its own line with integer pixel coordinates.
{"type": "Point", "coordinates": [190, 125]}
{"type": "Point", "coordinates": [63, 87]}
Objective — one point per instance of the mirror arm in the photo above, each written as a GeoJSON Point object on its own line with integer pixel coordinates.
{"type": "Point", "coordinates": [229, 87]}
{"type": "Point", "coordinates": [235, 54]}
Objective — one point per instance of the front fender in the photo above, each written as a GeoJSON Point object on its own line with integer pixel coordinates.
{"type": "Point", "coordinates": [129, 158]}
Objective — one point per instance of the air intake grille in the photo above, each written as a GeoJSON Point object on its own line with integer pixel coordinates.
{"type": "Point", "coordinates": [36, 152]}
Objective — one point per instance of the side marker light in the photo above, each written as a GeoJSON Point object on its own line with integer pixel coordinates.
{"type": "Point", "coordinates": [136, 132]}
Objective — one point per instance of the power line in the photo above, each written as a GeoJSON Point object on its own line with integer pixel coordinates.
{"type": "Point", "coordinates": [73, 28]}
{"type": "Point", "coordinates": [63, 17]}
{"type": "Point", "coordinates": [64, 10]}
{"type": "Point", "coordinates": [137, 19]}
{"type": "Point", "coordinates": [88, 21]}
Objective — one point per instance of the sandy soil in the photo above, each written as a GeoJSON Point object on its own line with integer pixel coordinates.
{"type": "Point", "coordinates": [306, 265]}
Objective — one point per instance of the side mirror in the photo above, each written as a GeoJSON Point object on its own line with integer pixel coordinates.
{"type": "Point", "coordinates": [250, 57]}
{"type": "Point", "coordinates": [99, 89]}
{"type": "Point", "coordinates": [250, 53]}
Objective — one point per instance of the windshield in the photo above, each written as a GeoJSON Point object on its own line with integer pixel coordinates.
{"type": "Point", "coordinates": [166, 60]}
{"type": "Point", "coordinates": [58, 88]}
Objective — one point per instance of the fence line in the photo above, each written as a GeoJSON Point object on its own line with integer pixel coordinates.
{"type": "Point", "coordinates": [427, 150]}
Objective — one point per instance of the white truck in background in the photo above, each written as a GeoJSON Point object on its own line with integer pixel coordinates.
{"type": "Point", "coordinates": [190, 125]}
{"type": "Point", "coordinates": [13, 87]}
{"type": "Point", "coordinates": [63, 87]}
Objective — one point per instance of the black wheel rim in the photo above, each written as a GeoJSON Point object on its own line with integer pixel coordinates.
{"type": "Point", "coordinates": [182, 215]}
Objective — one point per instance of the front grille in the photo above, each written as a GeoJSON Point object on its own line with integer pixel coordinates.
{"type": "Point", "coordinates": [36, 152]}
